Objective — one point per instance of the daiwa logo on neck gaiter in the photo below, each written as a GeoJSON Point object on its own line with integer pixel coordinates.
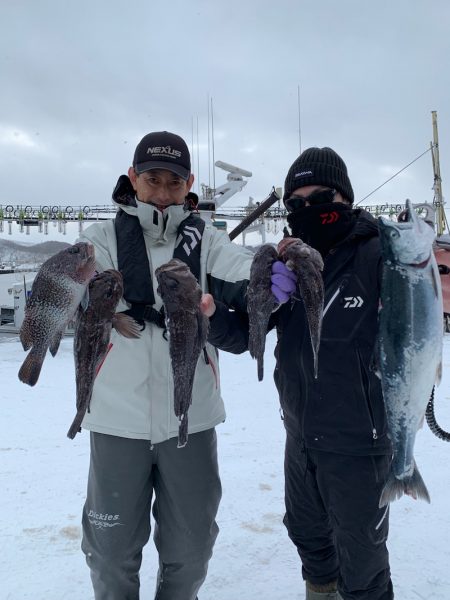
{"type": "Point", "coordinates": [164, 150]}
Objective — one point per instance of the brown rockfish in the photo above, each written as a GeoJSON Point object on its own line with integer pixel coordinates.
{"type": "Point", "coordinates": [307, 264]}
{"type": "Point", "coordinates": [187, 327]}
{"type": "Point", "coordinates": [91, 341]}
{"type": "Point", "coordinates": [58, 289]}
{"type": "Point", "coordinates": [260, 302]}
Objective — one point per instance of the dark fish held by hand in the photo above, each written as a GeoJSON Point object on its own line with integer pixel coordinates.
{"type": "Point", "coordinates": [307, 264]}
{"type": "Point", "coordinates": [260, 302]}
{"type": "Point", "coordinates": [58, 289]}
{"type": "Point", "coordinates": [92, 336]}
{"type": "Point", "coordinates": [187, 327]}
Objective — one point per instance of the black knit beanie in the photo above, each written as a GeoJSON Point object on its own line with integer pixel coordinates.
{"type": "Point", "coordinates": [319, 166]}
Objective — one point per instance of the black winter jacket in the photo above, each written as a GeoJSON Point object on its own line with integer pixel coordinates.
{"type": "Point", "coordinates": [343, 409]}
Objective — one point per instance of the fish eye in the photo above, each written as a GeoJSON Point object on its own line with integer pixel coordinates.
{"type": "Point", "coordinates": [395, 234]}
{"type": "Point", "coordinates": [172, 283]}
{"type": "Point", "coordinates": [73, 250]}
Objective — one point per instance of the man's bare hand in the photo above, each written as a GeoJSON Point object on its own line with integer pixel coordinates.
{"type": "Point", "coordinates": [207, 305]}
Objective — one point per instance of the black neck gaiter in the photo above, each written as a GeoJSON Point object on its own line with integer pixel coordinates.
{"type": "Point", "coordinates": [322, 226]}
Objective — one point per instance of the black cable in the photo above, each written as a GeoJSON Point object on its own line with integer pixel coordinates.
{"type": "Point", "coordinates": [395, 175]}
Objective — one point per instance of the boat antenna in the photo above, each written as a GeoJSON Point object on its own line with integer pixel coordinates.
{"type": "Point", "coordinates": [192, 136]}
{"type": "Point", "coordinates": [209, 149]}
{"type": "Point", "coordinates": [299, 123]}
{"type": "Point", "coordinates": [198, 162]}
{"type": "Point", "coordinates": [212, 138]}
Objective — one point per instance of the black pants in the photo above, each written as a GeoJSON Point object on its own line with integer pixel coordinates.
{"type": "Point", "coordinates": [332, 516]}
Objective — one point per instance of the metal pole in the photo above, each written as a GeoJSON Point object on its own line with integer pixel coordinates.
{"type": "Point", "coordinates": [437, 186]}
{"type": "Point", "coordinates": [267, 203]}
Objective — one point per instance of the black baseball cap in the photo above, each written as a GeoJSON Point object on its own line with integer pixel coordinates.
{"type": "Point", "coordinates": [163, 150]}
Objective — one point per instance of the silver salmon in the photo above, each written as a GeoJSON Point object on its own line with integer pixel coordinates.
{"type": "Point", "coordinates": [57, 291]}
{"type": "Point", "coordinates": [92, 336]}
{"type": "Point", "coordinates": [307, 264]}
{"type": "Point", "coordinates": [260, 302]}
{"type": "Point", "coordinates": [188, 329]}
{"type": "Point", "coordinates": [410, 343]}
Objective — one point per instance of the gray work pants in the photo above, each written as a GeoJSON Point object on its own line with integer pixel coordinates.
{"type": "Point", "coordinates": [116, 518]}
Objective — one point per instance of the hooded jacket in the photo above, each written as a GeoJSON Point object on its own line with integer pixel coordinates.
{"type": "Point", "coordinates": [343, 409]}
{"type": "Point", "coordinates": [133, 391]}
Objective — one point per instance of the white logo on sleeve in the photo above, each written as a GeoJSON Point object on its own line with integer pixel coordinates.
{"type": "Point", "coordinates": [190, 237]}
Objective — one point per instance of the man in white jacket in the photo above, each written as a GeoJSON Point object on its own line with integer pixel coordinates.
{"type": "Point", "coordinates": [132, 422]}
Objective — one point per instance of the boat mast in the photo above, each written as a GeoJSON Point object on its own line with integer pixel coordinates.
{"type": "Point", "coordinates": [438, 201]}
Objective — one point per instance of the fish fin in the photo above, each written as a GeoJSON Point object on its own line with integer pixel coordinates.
{"type": "Point", "coordinates": [85, 299]}
{"type": "Point", "coordinates": [439, 373]}
{"type": "Point", "coordinates": [374, 364]}
{"type": "Point", "coordinates": [25, 338]}
{"type": "Point", "coordinates": [31, 368]}
{"type": "Point", "coordinates": [54, 346]}
{"type": "Point", "coordinates": [413, 486]}
{"type": "Point", "coordinates": [126, 326]}
{"type": "Point", "coordinates": [202, 328]}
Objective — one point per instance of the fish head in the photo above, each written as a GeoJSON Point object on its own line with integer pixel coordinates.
{"type": "Point", "coordinates": [406, 243]}
{"type": "Point", "coordinates": [106, 289]}
{"type": "Point", "coordinates": [76, 262]}
{"type": "Point", "coordinates": [177, 286]}
{"type": "Point", "coordinates": [298, 251]}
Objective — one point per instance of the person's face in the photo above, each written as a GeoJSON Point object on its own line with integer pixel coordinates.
{"type": "Point", "coordinates": [309, 195]}
{"type": "Point", "coordinates": [160, 187]}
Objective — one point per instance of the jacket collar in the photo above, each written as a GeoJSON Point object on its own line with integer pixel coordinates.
{"type": "Point", "coordinates": [158, 226]}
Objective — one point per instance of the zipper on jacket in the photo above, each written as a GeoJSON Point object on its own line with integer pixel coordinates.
{"type": "Point", "coordinates": [339, 289]}
{"type": "Point", "coordinates": [366, 391]}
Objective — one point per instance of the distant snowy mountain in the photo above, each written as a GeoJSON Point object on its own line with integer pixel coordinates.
{"type": "Point", "coordinates": [17, 254]}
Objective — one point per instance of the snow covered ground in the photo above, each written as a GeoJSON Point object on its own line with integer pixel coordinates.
{"type": "Point", "coordinates": [43, 479]}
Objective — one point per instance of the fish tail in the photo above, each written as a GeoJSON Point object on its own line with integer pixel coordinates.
{"type": "Point", "coordinates": [76, 425]}
{"type": "Point", "coordinates": [183, 431]}
{"type": "Point", "coordinates": [413, 486]}
{"type": "Point", "coordinates": [31, 368]}
{"type": "Point", "coordinates": [316, 366]}
{"type": "Point", "coordinates": [260, 363]}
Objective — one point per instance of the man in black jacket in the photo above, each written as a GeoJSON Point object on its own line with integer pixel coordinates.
{"type": "Point", "coordinates": [337, 452]}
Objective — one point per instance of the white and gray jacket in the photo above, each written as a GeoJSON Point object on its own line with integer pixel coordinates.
{"type": "Point", "coordinates": [133, 391]}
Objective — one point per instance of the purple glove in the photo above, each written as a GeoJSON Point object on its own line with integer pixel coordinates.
{"type": "Point", "coordinates": [284, 282]}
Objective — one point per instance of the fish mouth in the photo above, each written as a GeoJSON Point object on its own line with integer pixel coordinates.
{"type": "Point", "coordinates": [420, 265]}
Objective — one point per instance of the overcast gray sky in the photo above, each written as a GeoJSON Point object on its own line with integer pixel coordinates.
{"type": "Point", "coordinates": [82, 81]}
